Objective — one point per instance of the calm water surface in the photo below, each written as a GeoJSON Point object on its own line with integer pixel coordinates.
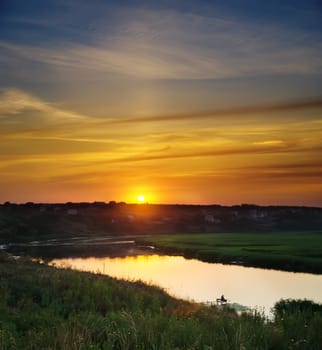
{"type": "Point", "coordinates": [204, 282]}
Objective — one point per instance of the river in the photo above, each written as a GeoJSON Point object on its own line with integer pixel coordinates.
{"type": "Point", "coordinates": [200, 281]}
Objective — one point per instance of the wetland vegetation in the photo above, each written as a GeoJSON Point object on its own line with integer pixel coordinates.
{"type": "Point", "coordinates": [47, 308]}
{"type": "Point", "coordinates": [292, 251]}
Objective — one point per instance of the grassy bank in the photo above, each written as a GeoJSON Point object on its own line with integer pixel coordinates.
{"type": "Point", "coordinates": [45, 308]}
{"type": "Point", "coordinates": [296, 251]}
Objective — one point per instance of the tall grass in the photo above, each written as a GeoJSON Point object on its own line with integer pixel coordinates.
{"type": "Point", "coordinates": [45, 308]}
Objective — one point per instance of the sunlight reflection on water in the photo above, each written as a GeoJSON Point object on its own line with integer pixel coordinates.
{"type": "Point", "coordinates": [204, 282]}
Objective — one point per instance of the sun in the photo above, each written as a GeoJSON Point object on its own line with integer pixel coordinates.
{"type": "Point", "coordinates": [140, 198]}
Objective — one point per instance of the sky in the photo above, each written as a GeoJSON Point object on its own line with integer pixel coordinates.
{"type": "Point", "coordinates": [178, 101]}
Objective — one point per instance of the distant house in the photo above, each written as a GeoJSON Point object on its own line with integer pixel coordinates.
{"type": "Point", "coordinates": [72, 211]}
{"type": "Point", "coordinates": [257, 214]}
{"type": "Point", "coordinates": [211, 219]}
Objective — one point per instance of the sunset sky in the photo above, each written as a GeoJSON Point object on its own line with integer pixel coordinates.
{"type": "Point", "coordinates": [178, 101]}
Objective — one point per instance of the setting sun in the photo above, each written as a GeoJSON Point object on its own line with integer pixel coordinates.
{"type": "Point", "coordinates": [140, 198]}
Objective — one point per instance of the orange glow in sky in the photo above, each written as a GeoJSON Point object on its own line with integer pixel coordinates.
{"type": "Point", "coordinates": [198, 105]}
{"type": "Point", "coordinates": [262, 158]}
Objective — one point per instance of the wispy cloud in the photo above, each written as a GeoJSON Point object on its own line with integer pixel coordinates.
{"type": "Point", "coordinates": [235, 112]}
{"type": "Point", "coordinates": [15, 107]}
{"type": "Point", "coordinates": [300, 172]}
{"type": "Point", "coordinates": [30, 125]}
{"type": "Point", "coordinates": [269, 142]}
{"type": "Point", "coordinates": [199, 103]}
{"type": "Point", "coordinates": [176, 45]}
{"type": "Point", "coordinates": [22, 110]}
{"type": "Point", "coordinates": [223, 151]}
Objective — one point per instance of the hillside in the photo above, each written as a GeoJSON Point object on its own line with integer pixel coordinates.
{"type": "Point", "coordinates": [45, 308]}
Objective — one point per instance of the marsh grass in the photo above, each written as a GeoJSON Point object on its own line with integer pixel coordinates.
{"type": "Point", "coordinates": [292, 251]}
{"type": "Point", "coordinates": [45, 308]}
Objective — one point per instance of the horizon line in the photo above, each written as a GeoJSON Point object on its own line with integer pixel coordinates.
{"type": "Point", "coordinates": [112, 202]}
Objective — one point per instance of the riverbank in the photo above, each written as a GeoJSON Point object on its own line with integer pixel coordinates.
{"type": "Point", "coordinates": [286, 238]}
{"type": "Point", "coordinates": [46, 308]}
{"type": "Point", "coordinates": [288, 251]}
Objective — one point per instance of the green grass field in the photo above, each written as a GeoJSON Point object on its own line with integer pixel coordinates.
{"type": "Point", "coordinates": [296, 251]}
{"type": "Point", "coordinates": [45, 308]}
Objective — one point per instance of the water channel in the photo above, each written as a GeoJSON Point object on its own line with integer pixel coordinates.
{"type": "Point", "coordinates": [204, 282]}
